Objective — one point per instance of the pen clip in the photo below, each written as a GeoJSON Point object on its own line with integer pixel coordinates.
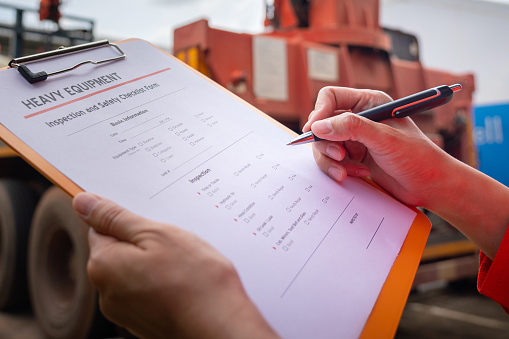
{"type": "Point", "coordinates": [442, 95]}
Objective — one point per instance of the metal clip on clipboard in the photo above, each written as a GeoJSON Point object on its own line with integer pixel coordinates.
{"type": "Point", "coordinates": [40, 76]}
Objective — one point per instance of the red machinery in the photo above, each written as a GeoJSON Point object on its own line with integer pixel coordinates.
{"type": "Point", "coordinates": [48, 10]}
{"type": "Point", "coordinates": [310, 44]}
{"type": "Point", "coordinates": [337, 43]}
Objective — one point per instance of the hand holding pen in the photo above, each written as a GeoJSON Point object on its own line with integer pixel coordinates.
{"type": "Point", "coordinates": [396, 155]}
{"type": "Point", "coordinates": [415, 103]}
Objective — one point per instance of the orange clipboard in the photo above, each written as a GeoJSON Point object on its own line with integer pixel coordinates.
{"type": "Point", "coordinates": [385, 315]}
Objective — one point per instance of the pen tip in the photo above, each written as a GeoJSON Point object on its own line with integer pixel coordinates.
{"type": "Point", "coordinates": [302, 139]}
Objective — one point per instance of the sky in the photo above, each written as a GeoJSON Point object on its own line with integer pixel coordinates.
{"type": "Point", "coordinates": [154, 21]}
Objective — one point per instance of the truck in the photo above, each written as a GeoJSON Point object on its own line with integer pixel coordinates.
{"type": "Point", "coordinates": [306, 46]}
{"type": "Point", "coordinates": [43, 244]}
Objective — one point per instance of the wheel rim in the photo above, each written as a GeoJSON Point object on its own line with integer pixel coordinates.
{"type": "Point", "coordinates": [63, 298]}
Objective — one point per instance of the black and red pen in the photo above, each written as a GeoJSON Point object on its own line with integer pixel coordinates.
{"type": "Point", "coordinates": [412, 104]}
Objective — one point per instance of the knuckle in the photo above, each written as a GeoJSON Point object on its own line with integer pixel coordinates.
{"type": "Point", "coordinates": [220, 270]}
{"type": "Point", "coordinates": [323, 162]}
{"type": "Point", "coordinates": [372, 98]}
{"type": "Point", "coordinates": [317, 154]}
{"type": "Point", "coordinates": [324, 94]}
{"type": "Point", "coordinates": [353, 124]}
{"type": "Point", "coordinates": [325, 90]}
{"type": "Point", "coordinates": [381, 96]}
{"type": "Point", "coordinates": [109, 216]}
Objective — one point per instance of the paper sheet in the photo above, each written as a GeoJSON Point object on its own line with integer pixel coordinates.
{"type": "Point", "coordinates": [165, 143]}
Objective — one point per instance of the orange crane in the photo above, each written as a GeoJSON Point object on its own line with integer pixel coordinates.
{"type": "Point", "coordinates": [310, 44]}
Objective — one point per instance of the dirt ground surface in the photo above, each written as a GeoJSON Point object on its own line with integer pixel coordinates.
{"type": "Point", "coordinates": [443, 312]}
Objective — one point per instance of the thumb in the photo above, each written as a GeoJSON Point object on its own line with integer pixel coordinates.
{"type": "Point", "coordinates": [107, 218]}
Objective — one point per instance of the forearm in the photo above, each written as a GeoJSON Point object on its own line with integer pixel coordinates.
{"type": "Point", "coordinates": [247, 323]}
{"type": "Point", "coordinates": [474, 203]}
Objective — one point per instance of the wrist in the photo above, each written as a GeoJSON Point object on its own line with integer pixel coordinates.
{"type": "Point", "coordinates": [446, 185]}
{"type": "Point", "coordinates": [247, 322]}
{"type": "Point", "coordinates": [227, 313]}
{"type": "Point", "coordinates": [474, 203]}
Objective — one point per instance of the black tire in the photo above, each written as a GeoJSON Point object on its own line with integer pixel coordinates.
{"type": "Point", "coordinates": [63, 299]}
{"type": "Point", "coordinates": [17, 204]}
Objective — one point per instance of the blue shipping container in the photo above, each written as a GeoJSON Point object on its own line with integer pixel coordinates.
{"type": "Point", "coordinates": [491, 136]}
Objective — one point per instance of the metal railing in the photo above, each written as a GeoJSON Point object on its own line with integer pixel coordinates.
{"type": "Point", "coordinates": [45, 37]}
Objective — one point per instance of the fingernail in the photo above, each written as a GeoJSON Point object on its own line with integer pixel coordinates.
{"type": "Point", "coordinates": [363, 172]}
{"type": "Point", "coordinates": [84, 203]}
{"type": "Point", "coordinates": [333, 152]}
{"type": "Point", "coordinates": [336, 173]}
{"type": "Point", "coordinates": [322, 126]}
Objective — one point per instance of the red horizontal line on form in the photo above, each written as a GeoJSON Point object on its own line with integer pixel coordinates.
{"type": "Point", "coordinates": [94, 93]}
